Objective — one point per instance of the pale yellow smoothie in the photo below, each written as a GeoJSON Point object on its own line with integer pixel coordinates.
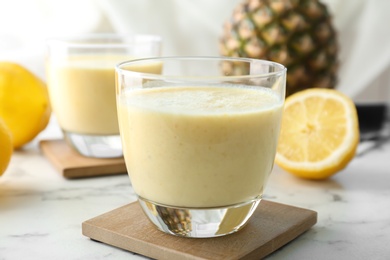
{"type": "Point", "coordinates": [82, 93]}
{"type": "Point", "coordinates": [199, 146]}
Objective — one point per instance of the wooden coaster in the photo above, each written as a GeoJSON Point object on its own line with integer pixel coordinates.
{"type": "Point", "coordinates": [271, 226]}
{"type": "Point", "coordinates": [73, 165]}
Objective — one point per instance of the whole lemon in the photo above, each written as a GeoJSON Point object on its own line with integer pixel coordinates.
{"type": "Point", "coordinates": [24, 103]}
{"type": "Point", "coordinates": [5, 146]}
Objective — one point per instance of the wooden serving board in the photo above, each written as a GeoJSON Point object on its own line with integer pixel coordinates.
{"type": "Point", "coordinates": [73, 165]}
{"type": "Point", "coordinates": [271, 226]}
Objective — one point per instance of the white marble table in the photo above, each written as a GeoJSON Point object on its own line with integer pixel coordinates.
{"type": "Point", "coordinates": [41, 212]}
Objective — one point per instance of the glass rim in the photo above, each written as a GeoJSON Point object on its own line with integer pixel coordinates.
{"type": "Point", "coordinates": [119, 68]}
{"type": "Point", "coordinates": [85, 40]}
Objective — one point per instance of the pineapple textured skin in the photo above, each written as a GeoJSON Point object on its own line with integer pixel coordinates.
{"type": "Point", "coordinates": [296, 33]}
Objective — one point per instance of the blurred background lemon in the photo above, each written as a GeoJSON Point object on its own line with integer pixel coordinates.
{"type": "Point", "coordinates": [5, 146]}
{"type": "Point", "coordinates": [24, 103]}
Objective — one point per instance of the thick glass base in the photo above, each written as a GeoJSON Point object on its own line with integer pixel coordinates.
{"type": "Point", "coordinates": [98, 146]}
{"type": "Point", "coordinates": [199, 222]}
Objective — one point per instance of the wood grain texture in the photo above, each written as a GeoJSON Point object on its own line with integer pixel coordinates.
{"type": "Point", "coordinates": [271, 226]}
{"type": "Point", "coordinates": [73, 165]}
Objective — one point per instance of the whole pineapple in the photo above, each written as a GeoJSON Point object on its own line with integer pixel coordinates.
{"type": "Point", "coordinates": [296, 33]}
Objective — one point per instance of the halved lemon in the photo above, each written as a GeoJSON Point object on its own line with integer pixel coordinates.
{"type": "Point", "coordinates": [319, 134]}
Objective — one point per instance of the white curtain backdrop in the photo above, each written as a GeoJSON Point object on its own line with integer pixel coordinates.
{"type": "Point", "coordinates": [192, 28]}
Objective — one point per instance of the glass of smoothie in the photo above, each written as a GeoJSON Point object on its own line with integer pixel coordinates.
{"type": "Point", "coordinates": [199, 138]}
{"type": "Point", "coordinates": [80, 73]}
